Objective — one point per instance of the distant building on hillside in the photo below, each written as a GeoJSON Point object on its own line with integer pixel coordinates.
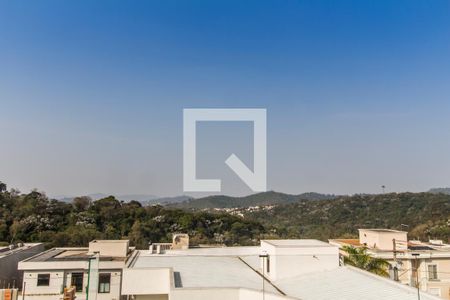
{"type": "Point", "coordinates": [409, 259]}
{"type": "Point", "coordinates": [10, 256]}
{"type": "Point", "coordinates": [96, 270]}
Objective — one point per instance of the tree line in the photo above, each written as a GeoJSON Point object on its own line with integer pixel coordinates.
{"type": "Point", "coordinates": [33, 217]}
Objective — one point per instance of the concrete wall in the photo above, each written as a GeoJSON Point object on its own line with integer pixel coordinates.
{"type": "Point", "coordinates": [146, 281]}
{"type": "Point", "coordinates": [383, 239]}
{"type": "Point", "coordinates": [51, 292]}
{"type": "Point", "coordinates": [288, 262]}
{"type": "Point", "coordinates": [9, 273]}
{"type": "Point", "coordinates": [115, 248]}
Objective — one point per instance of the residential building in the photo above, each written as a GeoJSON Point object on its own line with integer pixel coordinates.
{"type": "Point", "coordinates": [95, 270]}
{"type": "Point", "coordinates": [10, 256]}
{"type": "Point", "coordinates": [412, 262]}
{"type": "Point", "coordinates": [275, 270]}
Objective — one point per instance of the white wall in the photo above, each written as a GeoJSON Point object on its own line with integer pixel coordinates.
{"type": "Point", "coordinates": [146, 281]}
{"type": "Point", "coordinates": [288, 262]}
{"type": "Point", "coordinates": [51, 292]}
{"type": "Point", "coordinates": [61, 279]}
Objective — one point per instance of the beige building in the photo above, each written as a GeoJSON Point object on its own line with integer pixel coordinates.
{"type": "Point", "coordinates": [413, 263]}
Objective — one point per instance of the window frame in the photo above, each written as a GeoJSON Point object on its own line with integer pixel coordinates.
{"type": "Point", "coordinates": [78, 289]}
{"type": "Point", "coordinates": [40, 279]}
{"type": "Point", "coordinates": [102, 285]}
{"type": "Point", "coordinates": [433, 272]}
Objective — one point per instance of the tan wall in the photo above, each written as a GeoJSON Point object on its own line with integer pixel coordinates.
{"type": "Point", "coordinates": [443, 272]}
{"type": "Point", "coordinates": [382, 239]}
{"type": "Point", "coordinates": [109, 248]}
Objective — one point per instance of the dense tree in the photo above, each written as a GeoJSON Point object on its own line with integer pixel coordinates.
{"type": "Point", "coordinates": [81, 203]}
{"type": "Point", "coordinates": [2, 187]}
{"type": "Point", "coordinates": [34, 217]}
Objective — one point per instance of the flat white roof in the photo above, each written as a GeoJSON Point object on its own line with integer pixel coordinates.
{"type": "Point", "coordinates": [234, 267]}
{"type": "Point", "coordinates": [219, 251]}
{"type": "Point", "coordinates": [297, 243]}
{"type": "Point", "coordinates": [346, 283]}
{"type": "Point", "coordinates": [213, 271]}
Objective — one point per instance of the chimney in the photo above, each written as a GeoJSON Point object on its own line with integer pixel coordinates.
{"type": "Point", "coordinates": [180, 241]}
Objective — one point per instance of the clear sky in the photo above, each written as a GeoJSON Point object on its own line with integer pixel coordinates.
{"type": "Point", "coordinates": [357, 93]}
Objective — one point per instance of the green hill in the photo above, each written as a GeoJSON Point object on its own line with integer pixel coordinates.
{"type": "Point", "coordinates": [427, 216]}
{"type": "Point", "coordinates": [260, 199]}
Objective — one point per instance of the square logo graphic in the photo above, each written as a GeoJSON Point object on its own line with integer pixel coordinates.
{"type": "Point", "coordinates": [256, 180]}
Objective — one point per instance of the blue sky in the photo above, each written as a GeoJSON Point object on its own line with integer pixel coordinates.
{"type": "Point", "coordinates": [357, 93]}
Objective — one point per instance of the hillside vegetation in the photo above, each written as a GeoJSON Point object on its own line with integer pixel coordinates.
{"type": "Point", "coordinates": [34, 217]}
{"type": "Point", "coordinates": [266, 198]}
{"type": "Point", "coordinates": [426, 215]}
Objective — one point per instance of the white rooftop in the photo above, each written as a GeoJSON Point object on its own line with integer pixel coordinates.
{"type": "Point", "coordinates": [206, 271]}
{"type": "Point", "coordinates": [297, 243]}
{"type": "Point", "coordinates": [239, 267]}
{"type": "Point", "coordinates": [347, 283]}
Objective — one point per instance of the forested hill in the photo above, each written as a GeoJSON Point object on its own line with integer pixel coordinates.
{"type": "Point", "coordinates": [260, 199]}
{"type": "Point", "coordinates": [424, 215]}
{"type": "Point", "coordinates": [33, 217]}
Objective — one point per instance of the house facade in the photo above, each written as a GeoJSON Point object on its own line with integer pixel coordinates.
{"type": "Point", "coordinates": [412, 262]}
{"type": "Point", "coordinates": [95, 272]}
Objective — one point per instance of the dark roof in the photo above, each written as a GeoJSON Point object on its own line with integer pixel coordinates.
{"type": "Point", "coordinates": [78, 255]}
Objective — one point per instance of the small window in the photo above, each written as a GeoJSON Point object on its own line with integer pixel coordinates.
{"type": "Point", "coordinates": [43, 280]}
{"type": "Point", "coordinates": [104, 283]}
{"type": "Point", "coordinates": [432, 272]}
{"type": "Point", "coordinates": [77, 281]}
{"type": "Point", "coordinates": [268, 264]}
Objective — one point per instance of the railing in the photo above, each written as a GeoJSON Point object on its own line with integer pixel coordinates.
{"type": "Point", "coordinates": [159, 248]}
